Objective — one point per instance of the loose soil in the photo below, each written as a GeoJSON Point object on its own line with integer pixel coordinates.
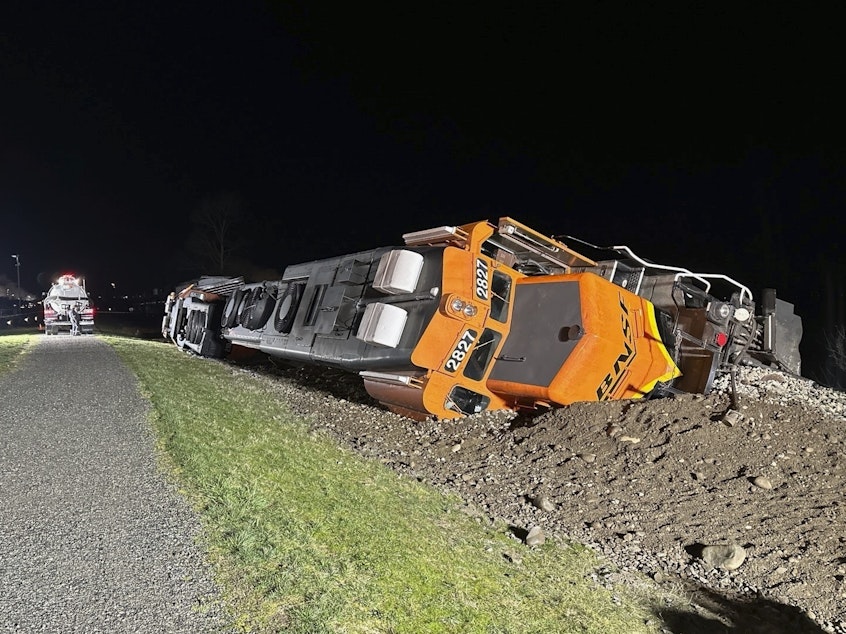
{"type": "Point", "coordinates": [647, 484]}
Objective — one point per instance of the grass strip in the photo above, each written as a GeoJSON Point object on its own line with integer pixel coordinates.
{"type": "Point", "coordinates": [12, 348]}
{"type": "Point", "coordinates": [308, 537]}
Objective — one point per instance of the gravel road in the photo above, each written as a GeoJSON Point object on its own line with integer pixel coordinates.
{"type": "Point", "coordinates": [93, 537]}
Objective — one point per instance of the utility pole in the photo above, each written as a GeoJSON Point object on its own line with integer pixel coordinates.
{"type": "Point", "coordinates": [18, 266]}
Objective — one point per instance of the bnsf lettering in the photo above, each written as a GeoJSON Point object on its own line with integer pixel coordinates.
{"type": "Point", "coordinates": [624, 318]}
{"type": "Point", "coordinates": [460, 351]}
{"type": "Point", "coordinates": [613, 378]}
{"type": "Point", "coordinates": [481, 279]}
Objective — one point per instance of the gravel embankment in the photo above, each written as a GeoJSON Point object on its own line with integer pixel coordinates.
{"type": "Point", "coordinates": [646, 484]}
{"type": "Point", "coordinates": [93, 538]}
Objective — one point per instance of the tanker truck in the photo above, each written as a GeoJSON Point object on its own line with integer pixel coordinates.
{"type": "Point", "coordinates": [67, 308]}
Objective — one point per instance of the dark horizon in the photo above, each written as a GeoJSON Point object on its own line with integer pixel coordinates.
{"type": "Point", "coordinates": [700, 137]}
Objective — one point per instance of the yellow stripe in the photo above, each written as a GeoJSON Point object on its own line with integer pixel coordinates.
{"type": "Point", "coordinates": [674, 369]}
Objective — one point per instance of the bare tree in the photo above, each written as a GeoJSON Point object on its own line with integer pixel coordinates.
{"type": "Point", "coordinates": [835, 366]}
{"type": "Point", "coordinates": [215, 237]}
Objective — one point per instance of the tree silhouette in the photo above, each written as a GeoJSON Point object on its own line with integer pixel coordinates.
{"type": "Point", "coordinates": [216, 232]}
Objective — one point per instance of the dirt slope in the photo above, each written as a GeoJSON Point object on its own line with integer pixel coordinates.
{"type": "Point", "coordinates": [648, 484]}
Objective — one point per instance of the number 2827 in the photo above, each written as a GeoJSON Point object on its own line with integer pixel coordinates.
{"type": "Point", "coordinates": [460, 351]}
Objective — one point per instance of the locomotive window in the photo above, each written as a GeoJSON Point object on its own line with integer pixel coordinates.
{"type": "Point", "coordinates": [482, 354]}
{"type": "Point", "coordinates": [466, 401]}
{"type": "Point", "coordinates": [500, 296]}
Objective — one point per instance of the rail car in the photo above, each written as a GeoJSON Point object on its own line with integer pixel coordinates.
{"type": "Point", "coordinates": [457, 320]}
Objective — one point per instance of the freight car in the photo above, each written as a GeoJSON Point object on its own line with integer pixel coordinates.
{"type": "Point", "coordinates": [462, 319]}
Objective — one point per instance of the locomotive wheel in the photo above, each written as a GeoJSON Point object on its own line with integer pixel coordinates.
{"type": "Point", "coordinates": [193, 326]}
{"type": "Point", "coordinates": [261, 311]}
{"type": "Point", "coordinates": [248, 306]}
{"type": "Point", "coordinates": [242, 307]}
{"type": "Point", "coordinates": [288, 308]}
{"type": "Point", "coordinates": [230, 310]}
{"type": "Point", "coordinates": [199, 327]}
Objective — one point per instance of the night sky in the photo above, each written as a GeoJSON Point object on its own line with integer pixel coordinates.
{"type": "Point", "coordinates": [701, 135]}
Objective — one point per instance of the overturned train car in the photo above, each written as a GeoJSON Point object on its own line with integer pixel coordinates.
{"type": "Point", "coordinates": [482, 316]}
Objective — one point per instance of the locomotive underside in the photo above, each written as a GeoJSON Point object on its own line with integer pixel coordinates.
{"type": "Point", "coordinates": [463, 319]}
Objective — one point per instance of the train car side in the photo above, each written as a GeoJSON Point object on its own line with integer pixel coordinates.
{"type": "Point", "coordinates": [462, 319]}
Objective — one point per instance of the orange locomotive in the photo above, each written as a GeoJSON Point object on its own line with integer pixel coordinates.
{"type": "Point", "coordinates": [463, 319]}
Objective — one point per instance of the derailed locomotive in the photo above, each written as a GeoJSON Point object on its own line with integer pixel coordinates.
{"type": "Point", "coordinates": [483, 316]}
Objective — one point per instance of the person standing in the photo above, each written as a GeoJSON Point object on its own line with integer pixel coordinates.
{"type": "Point", "coordinates": [74, 319]}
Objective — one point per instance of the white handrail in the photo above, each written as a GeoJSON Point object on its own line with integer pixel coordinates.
{"type": "Point", "coordinates": [682, 272]}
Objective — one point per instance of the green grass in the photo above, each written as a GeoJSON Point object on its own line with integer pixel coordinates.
{"type": "Point", "coordinates": [12, 347]}
{"type": "Point", "coordinates": [308, 537]}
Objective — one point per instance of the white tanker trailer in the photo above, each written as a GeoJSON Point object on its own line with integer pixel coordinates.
{"type": "Point", "coordinates": [67, 308]}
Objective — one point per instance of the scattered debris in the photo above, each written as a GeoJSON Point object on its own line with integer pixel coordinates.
{"type": "Point", "coordinates": [727, 557]}
{"type": "Point", "coordinates": [732, 417]}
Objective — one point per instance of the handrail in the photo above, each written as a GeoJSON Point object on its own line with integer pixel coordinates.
{"type": "Point", "coordinates": [679, 270]}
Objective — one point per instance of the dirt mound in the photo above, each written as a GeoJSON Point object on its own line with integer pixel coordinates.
{"type": "Point", "coordinates": [648, 484]}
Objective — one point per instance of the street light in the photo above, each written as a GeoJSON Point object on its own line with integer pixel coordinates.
{"type": "Point", "coordinates": [18, 265]}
